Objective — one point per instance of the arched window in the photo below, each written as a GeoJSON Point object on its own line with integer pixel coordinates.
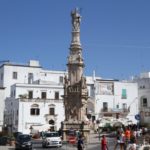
{"type": "Point", "coordinates": [51, 122]}
{"type": "Point", "coordinates": [35, 111]}
{"type": "Point", "coordinates": [52, 109]}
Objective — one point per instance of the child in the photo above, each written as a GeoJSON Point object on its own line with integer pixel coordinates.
{"type": "Point", "coordinates": [104, 143]}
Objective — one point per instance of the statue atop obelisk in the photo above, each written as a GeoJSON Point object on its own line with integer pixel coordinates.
{"type": "Point", "coordinates": [75, 88]}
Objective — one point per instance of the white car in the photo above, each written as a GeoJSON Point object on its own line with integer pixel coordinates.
{"type": "Point", "coordinates": [51, 139]}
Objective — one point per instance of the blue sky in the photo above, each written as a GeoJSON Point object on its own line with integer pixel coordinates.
{"type": "Point", "coordinates": [115, 34]}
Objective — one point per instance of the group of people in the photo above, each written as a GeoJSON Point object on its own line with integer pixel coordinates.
{"type": "Point", "coordinates": [126, 139]}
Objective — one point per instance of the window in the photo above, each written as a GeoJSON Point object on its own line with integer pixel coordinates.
{"type": "Point", "coordinates": [117, 115]}
{"type": "Point", "coordinates": [51, 122]}
{"type": "Point", "coordinates": [124, 106]}
{"type": "Point", "coordinates": [117, 106]}
{"type": "Point", "coordinates": [30, 78]}
{"type": "Point", "coordinates": [34, 111]}
{"type": "Point", "coordinates": [61, 79]}
{"type": "Point", "coordinates": [147, 114]}
{"type": "Point", "coordinates": [144, 102]}
{"type": "Point", "coordinates": [14, 75]}
{"type": "Point", "coordinates": [124, 93]}
{"type": "Point", "coordinates": [56, 95]}
{"type": "Point", "coordinates": [52, 111]}
{"type": "Point", "coordinates": [14, 93]}
{"type": "Point", "coordinates": [43, 95]}
{"type": "Point", "coordinates": [30, 94]}
{"type": "Point", "coordinates": [105, 106]}
{"type": "Point", "coordinates": [1, 76]}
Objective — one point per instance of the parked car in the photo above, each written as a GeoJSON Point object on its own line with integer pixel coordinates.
{"type": "Point", "coordinates": [51, 139]}
{"type": "Point", "coordinates": [23, 141]}
{"type": "Point", "coordinates": [4, 140]}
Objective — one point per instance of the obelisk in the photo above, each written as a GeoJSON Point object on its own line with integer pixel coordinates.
{"type": "Point", "coordinates": [75, 87]}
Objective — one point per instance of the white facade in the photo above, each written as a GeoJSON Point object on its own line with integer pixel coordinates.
{"type": "Point", "coordinates": [116, 99]}
{"type": "Point", "coordinates": [2, 94]}
{"type": "Point", "coordinates": [19, 116]}
{"type": "Point", "coordinates": [30, 86]}
{"type": "Point", "coordinates": [32, 83]}
{"type": "Point", "coordinates": [144, 96]}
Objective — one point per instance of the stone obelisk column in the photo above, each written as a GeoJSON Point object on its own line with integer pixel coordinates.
{"type": "Point", "coordinates": [75, 87]}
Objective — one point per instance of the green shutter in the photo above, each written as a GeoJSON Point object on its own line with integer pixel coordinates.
{"type": "Point", "coordinates": [124, 93]}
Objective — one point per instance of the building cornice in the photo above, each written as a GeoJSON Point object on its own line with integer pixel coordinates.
{"type": "Point", "coordinates": [19, 65]}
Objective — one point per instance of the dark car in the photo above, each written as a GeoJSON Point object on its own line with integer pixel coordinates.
{"type": "Point", "coordinates": [4, 140]}
{"type": "Point", "coordinates": [23, 141]}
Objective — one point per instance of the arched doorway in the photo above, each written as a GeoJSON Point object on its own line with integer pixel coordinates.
{"type": "Point", "coordinates": [52, 123]}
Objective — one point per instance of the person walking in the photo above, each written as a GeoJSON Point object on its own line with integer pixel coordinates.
{"type": "Point", "coordinates": [117, 140]}
{"type": "Point", "coordinates": [127, 136]}
{"type": "Point", "coordinates": [80, 143]}
{"type": "Point", "coordinates": [104, 143]}
{"type": "Point", "coordinates": [122, 141]}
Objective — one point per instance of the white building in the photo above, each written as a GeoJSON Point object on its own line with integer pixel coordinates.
{"type": "Point", "coordinates": [33, 97]}
{"type": "Point", "coordinates": [144, 96]}
{"type": "Point", "coordinates": [34, 106]}
{"type": "Point", "coordinates": [2, 94]}
{"type": "Point", "coordinates": [117, 100]}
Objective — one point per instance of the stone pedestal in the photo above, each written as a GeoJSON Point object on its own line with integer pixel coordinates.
{"type": "Point", "coordinates": [76, 126]}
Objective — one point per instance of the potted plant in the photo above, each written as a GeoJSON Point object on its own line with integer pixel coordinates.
{"type": "Point", "coordinates": [12, 141]}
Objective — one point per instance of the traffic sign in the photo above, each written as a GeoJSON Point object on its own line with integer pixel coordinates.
{"type": "Point", "coordinates": [137, 117]}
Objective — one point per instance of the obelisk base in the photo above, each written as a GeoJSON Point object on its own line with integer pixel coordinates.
{"type": "Point", "coordinates": [70, 128]}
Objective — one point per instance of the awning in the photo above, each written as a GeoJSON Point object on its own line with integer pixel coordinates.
{"type": "Point", "coordinates": [41, 128]}
{"type": "Point", "coordinates": [117, 124]}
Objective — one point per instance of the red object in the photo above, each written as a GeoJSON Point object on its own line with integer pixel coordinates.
{"type": "Point", "coordinates": [104, 144]}
{"type": "Point", "coordinates": [72, 139]}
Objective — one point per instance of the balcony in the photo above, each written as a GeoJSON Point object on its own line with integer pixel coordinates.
{"type": "Point", "coordinates": [40, 100]}
{"type": "Point", "coordinates": [116, 110]}
{"type": "Point", "coordinates": [50, 117]}
{"type": "Point", "coordinates": [145, 109]}
{"type": "Point", "coordinates": [106, 110]}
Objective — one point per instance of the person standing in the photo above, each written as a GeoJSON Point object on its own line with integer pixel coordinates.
{"type": "Point", "coordinates": [80, 144]}
{"type": "Point", "coordinates": [127, 135]}
{"type": "Point", "coordinates": [122, 141]}
{"type": "Point", "coordinates": [117, 140]}
{"type": "Point", "coordinates": [104, 143]}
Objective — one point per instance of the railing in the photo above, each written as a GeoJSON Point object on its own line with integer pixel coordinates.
{"type": "Point", "coordinates": [145, 109]}
{"type": "Point", "coordinates": [40, 100]}
{"type": "Point", "coordinates": [49, 115]}
{"type": "Point", "coordinates": [111, 110]}
{"type": "Point", "coordinates": [106, 110]}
